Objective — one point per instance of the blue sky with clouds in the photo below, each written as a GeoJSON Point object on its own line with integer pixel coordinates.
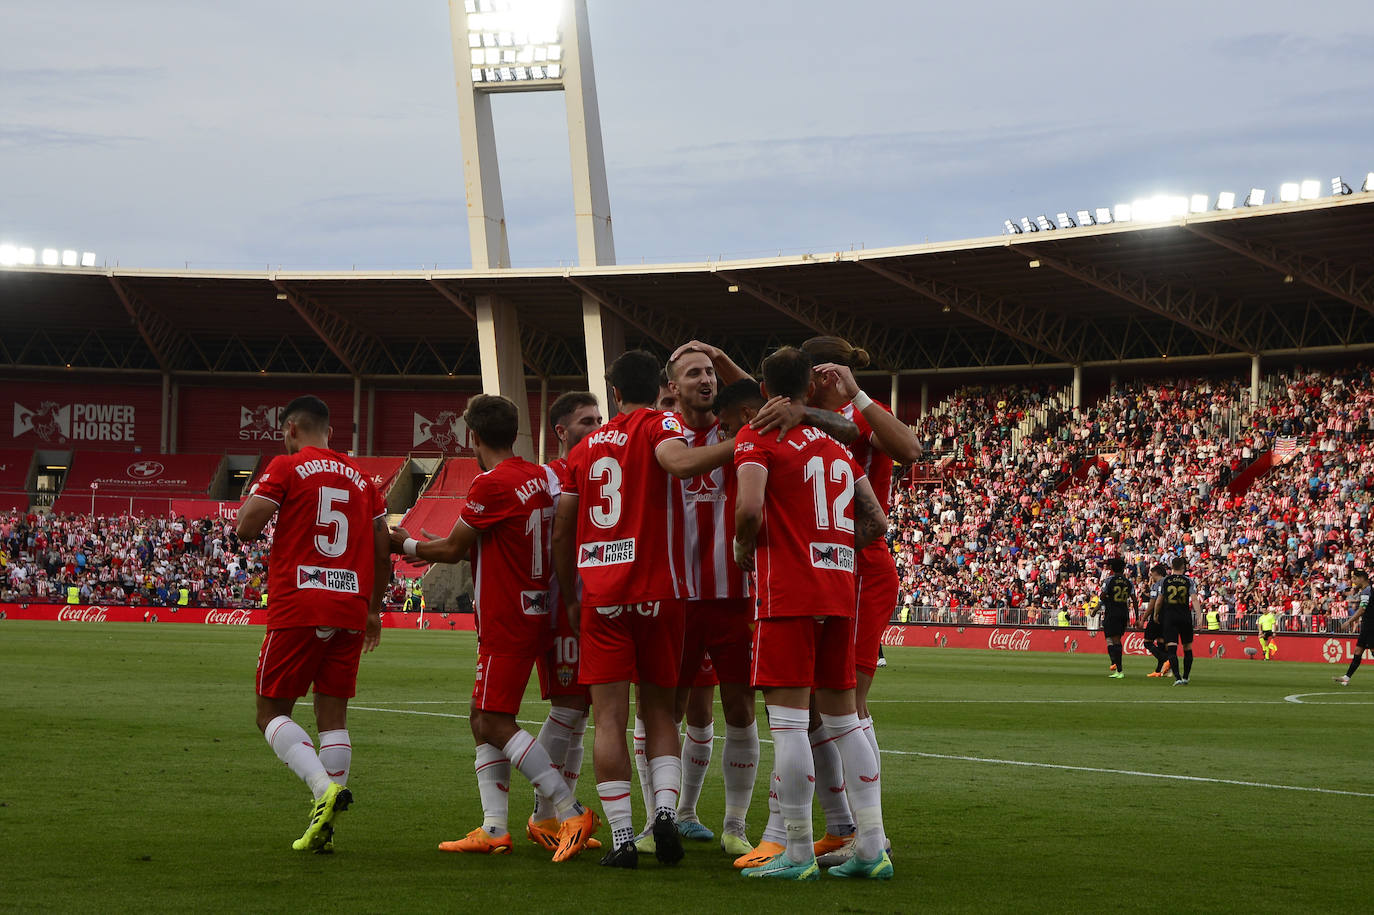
{"type": "Point", "coordinates": [324, 134]}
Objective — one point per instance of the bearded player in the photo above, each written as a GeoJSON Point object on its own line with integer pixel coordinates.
{"type": "Point", "coordinates": [505, 523]}
{"type": "Point", "coordinates": [328, 571]}
{"type": "Point", "coordinates": [797, 506]}
{"type": "Point", "coordinates": [615, 526]}
{"type": "Point", "coordinates": [572, 417]}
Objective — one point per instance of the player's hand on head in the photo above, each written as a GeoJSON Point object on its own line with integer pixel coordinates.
{"type": "Point", "coordinates": [372, 635]}
{"type": "Point", "coordinates": [839, 376]}
{"type": "Point", "coordinates": [778, 413]}
{"type": "Point", "coordinates": [694, 346]}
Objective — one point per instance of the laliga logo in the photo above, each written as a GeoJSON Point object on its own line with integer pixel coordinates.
{"type": "Point", "coordinates": [144, 470]}
{"type": "Point", "coordinates": [447, 432]}
{"type": "Point", "coordinates": [260, 424]}
{"type": "Point", "coordinates": [228, 618]}
{"type": "Point", "coordinates": [1331, 651]}
{"type": "Point", "coordinates": [81, 615]}
{"type": "Point", "coordinates": [1015, 640]}
{"type": "Point", "coordinates": [49, 422]}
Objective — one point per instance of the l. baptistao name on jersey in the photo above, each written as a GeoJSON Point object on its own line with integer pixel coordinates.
{"type": "Point", "coordinates": [342, 580]}
{"type": "Point", "coordinates": [607, 553]}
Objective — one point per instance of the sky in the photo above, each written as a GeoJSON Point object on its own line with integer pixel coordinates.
{"type": "Point", "coordinates": [313, 134]}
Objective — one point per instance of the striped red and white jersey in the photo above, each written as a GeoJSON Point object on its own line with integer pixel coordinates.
{"type": "Point", "coordinates": [708, 517]}
{"type": "Point", "coordinates": [877, 466]}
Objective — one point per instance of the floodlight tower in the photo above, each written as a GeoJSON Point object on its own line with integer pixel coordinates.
{"type": "Point", "coordinates": [530, 46]}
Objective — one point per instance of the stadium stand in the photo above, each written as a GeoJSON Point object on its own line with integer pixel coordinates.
{"type": "Point", "coordinates": [120, 483]}
{"type": "Point", "coordinates": [16, 472]}
{"type": "Point", "coordinates": [438, 507]}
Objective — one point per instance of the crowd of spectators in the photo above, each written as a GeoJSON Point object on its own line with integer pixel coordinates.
{"type": "Point", "coordinates": [1022, 533]}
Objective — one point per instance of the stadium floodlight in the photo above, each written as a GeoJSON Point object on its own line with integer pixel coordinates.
{"type": "Point", "coordinates": [1044, 223]}
{"type": "Point", "coordinates": [1085, 218]}
{"type": "Point", "coordinates": [1226, 200]}
{"type": "Point", "coordinates": [1310, 189]}
{"type": "Point", "coordinates": [1066, 221]}
{"type": "Point", "coordinates": [1159, 208]}
{"type": "Point", "coordinates": [88, 258]}
{"type": "Point", "coordinates": [1339, 188]}
{"type": "Point", "coordinates": [1027, 225]}
{"type": "Point", "coordinates": [1255, 198]}
{"type": "Point", "coordinates": [1011, 227]}
{"type": "Point", "coordinates": [1197, 203]}
{"type": "Point", "coordinates": [51, 256]}
{"type": "Point", "coordinates": [1288, 191]}
{"type": "Point", "coordinates": [1104, 216]}
{"type": "Point", "coordinates": [1368, 182]}
{"type": "Point", "coordinates": [1122, 213]}
{"type": "Point", "coordinates": [69, 258]}
{"type": "Point", "coordinates": [9, 255]}
{"type": "Point", "coordinates": [26, 256]}
{"type": "Point", "coordinates": [515, 45]}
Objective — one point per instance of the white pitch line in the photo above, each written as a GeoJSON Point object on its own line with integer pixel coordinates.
{"type": "Point", "coordinates": [989, 760]}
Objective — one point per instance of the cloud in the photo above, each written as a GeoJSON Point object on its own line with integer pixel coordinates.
{"type": "Point", "coordinates": [34, 136]}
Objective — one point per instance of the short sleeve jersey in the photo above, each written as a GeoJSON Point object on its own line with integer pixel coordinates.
{"type": "Point", "coordinates": [708, 511]}
{"type": "Point", "coordinates": [1177, 592]}
{"type": "Point", "coordinates": [804, 562]}
{"type": "Point", "coordinates": [511, 509]}
{"type": "Point", "coordinates": [1116, 594]}
{"type": "Point", "coordinates": [321, 568]}
{"type": "Point", "coordinates": [877, 466]}
{"type": "Point", "coordinates": [1362, 601]}
{"type": "Point", "coordinates": [629, 527]}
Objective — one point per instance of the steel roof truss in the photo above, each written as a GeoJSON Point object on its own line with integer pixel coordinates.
{"type": "Point", "coordinates": [355, 348]}
{"type": "Point", "coordinates": [1343, 281]}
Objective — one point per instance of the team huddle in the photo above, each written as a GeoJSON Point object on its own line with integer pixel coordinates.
{"type": "Point", "coordinates": [729, 540]}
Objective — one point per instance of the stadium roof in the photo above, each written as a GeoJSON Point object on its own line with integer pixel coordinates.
{"type": "Point", "coordinates": [1278, 279]}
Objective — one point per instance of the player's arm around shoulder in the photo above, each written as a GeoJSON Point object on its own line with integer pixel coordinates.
{"type": "Point", "coordinates": [684, 461]}
{"type": "Point", "coordinates": [890, 434]}
{"type": "Point", "coordinates": [751, 484]}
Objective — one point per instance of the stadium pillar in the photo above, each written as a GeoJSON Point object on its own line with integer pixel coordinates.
{"type": "Point", "coordinates": [503, 363]}
{"type": "Point", "coordinates": [543, 418]}
{"type": "Point", "coordinates": [925, 397]}
{"type": "Point", "coordinates": [895, 392]}
{"type": "Point", "coordinates": [371, 417]}
{"type": "Point", "coordinates": [172, 435]}
{"type": "Point", "coordinates": [1254, 379]}
{"type": "Point", "coordinates": [1077, 386]}
{"type": "Point", "coordinates": [357, 411]}
{"type": "Point", "coordinates": [166, 410]}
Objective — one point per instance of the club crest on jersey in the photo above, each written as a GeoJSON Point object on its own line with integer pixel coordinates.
{"type": "Point", "coordinates": [316, 578]}
{"type": "Point", "coordinates": [534, 603]}
{"type": "Point", "coordinates": [608, 553]}
{"type": "Point", "coordinates": [565, 674]}
{"type": "Point", "coordinates": [832, 556]}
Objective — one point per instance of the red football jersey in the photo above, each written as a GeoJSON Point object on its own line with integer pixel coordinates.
{"type": "Point", "coordinates": [512, 510]}
{"type": "Point", "coordinates": [877, 466]}
{"type": "Point", "coordinates": [628, 527]}
{"type": "Point", "coordinates": [321, 567]}
{"type": "Point", "coordinates": [804, 560]}
{"type": "Point", "coordinates": [708, 511]}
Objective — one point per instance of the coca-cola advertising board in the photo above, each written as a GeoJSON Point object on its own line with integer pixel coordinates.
{"type": "Point", "coordinates": [248, 420]}
{"type": "Point", "coordinates": [1314, 647]}
{"type": "Point", "coordinates": [62, 415]}
{"type": "Point", "coordinates": [208, 616]}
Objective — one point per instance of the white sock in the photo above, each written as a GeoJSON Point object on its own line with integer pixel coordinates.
{"type": "Point", "coordinates": [862, 781]}
{"type": "Point", "coordinates": [493, 787]}
{"type": "Point", "coordinates": [555, 737]}
{"type": "Point", "coordinates": [740, 765]}
{"type": "Point", "coordinates": [615, 804]}
{"type": "Point", "coordinates": [572, 766]}
{"type": "Point", "coordinates": [830, 784]}
{"type": "Point", "coordinates": [872, 736]}
{"type": "Point", "coordinates": [646, 784]}
{"type": "Point", "coordinates": [774, 831]}
{"type": "Point", "coordinates": [665, 773]}
{"type": "Point", "coordinates": [525, 753]}
{"type": "Point", "coordinates": [696, 762]}
{"type": "Point", "coordinates": [336, 754]}
{"type": "Point", "coordinates": [293, 747]}
{"type": "Point", "coordinates": [793, 777]}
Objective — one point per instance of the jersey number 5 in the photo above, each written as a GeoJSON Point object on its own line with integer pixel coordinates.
{"type": "Point", "coordinates": [336, 541]}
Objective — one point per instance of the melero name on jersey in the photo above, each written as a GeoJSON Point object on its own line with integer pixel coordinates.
{"type": "Point", "coordinates": [608, 437]}
{"type": "Point", "coordinates": [305, 468]}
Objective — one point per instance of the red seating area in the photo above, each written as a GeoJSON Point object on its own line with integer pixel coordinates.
{"type": "Point", "coordinates": [15, 467]}
{"type": "Point", "coordinates": [438, 508]}
{"type": "Point", "coordinates": [137, 484]}
{"type": "Point", "coordinates": [382, 471]}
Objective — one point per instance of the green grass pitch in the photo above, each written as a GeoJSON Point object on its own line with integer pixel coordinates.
{"type": "Point", "coordinates": [132, 778]}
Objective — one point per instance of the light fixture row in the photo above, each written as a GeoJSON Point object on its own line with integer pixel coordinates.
{"type": "Point", "coordinates": [10, 255]}
{"type": "Point", "coordinates": [1163, 207]}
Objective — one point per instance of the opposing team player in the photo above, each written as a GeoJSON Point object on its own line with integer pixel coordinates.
{"type": "Point", "coordinates": [1363, 594]}
{"type": "Point", "coordinates": [882, 439]}
{"type": "Point", "coordinates": [506, 525]}
{"type": "Point", "coordinates": [1154, 632]}
{"type": "Point", "coordinates": [1175, 608]}
{"type": "Point", "coordinates": [572, 417]}
{"type": "Point", "coordinates": [328, 572]}
{"type": "Point", "coordinates": [618, 528]}
{"type": "Point", "coordinates": [805, 506]}
{"type": "Point", "coordinates": [1118, 602]}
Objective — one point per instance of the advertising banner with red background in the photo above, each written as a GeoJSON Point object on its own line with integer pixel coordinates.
{"type": "Point", "coordinates": [97, 613]}
{"type": "Point", "coordinates": [431, 422]}
{"type": "Point", "coordinates": [115, 483]}
{"type": "Point", "coordinates": [247, 420]}
{"type": "Point", "coordinates": [63, 415]}
{"type": "Point", "coordinates": [1332, 649]}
